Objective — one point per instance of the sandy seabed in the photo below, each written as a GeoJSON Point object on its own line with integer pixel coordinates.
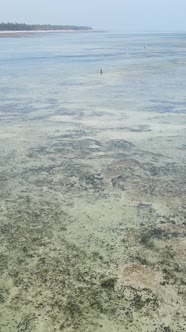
{"type": "Point", "coordinates": [92, 230]}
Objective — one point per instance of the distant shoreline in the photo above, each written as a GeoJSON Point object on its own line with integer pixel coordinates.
{"type": "Point", "coordinates": [7, 33]}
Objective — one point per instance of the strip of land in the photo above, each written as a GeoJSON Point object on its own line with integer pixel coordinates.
{"type": "Point", "coordinates": [15, 34]}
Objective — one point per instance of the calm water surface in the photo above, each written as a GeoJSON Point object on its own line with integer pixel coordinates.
{"type": "Point", "coordinates": [92, 183]}
{"type": "Point", "coordinates": [144, 70]}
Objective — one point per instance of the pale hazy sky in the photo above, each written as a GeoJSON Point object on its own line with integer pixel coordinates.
{"type": "Point", "coordinates": [127, 15]}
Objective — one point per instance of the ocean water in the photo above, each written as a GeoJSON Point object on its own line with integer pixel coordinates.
{"type": "Point", "coordinates": [144, 70]}
{"type": "Point", "coordinates": [92, 182]}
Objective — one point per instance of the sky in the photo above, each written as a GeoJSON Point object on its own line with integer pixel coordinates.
{"type": "Point", "coordinates": [125, 15]}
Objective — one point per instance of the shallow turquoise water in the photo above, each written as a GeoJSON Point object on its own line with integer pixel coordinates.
{"type": "Point", "coordinates": [92, 182]}
{"type": "Point", "coordinates": [142, 71]}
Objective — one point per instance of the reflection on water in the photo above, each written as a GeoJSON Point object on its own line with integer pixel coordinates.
{"type": "Point", "coordinates": [92, 228]}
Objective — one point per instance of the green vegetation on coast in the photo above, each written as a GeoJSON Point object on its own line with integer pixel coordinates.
{"type": "Point", "coordinates": [38, 27]}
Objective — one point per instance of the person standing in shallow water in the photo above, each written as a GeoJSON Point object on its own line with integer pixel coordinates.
{"type": "Point", "coordinates": [101, 71]}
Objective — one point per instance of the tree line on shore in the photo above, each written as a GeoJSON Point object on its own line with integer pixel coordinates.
{"type": "Point", "coordinates": [37, 27]}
